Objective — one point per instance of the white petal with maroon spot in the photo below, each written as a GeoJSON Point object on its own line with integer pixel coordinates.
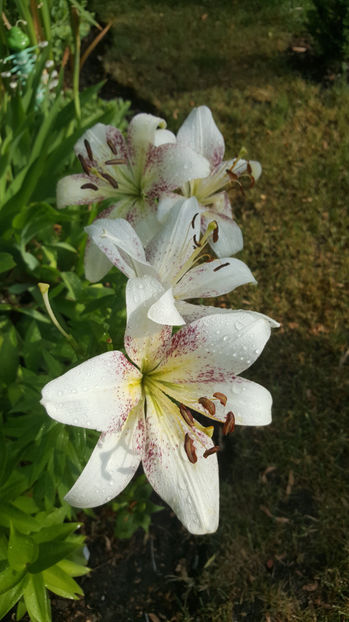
{"type": "Point", "coordinates": [215, 348]}
{"type": "Point", "coordinates": [69, 191]}
{"type": "Point", "coordinates": [112, 464]}
{"type": "Point", "coordinates": [169, 250]}
{"type": "Point", "coordinates": [145, 341]}
{"type": "Point", "coordinates": [117, 239]}
{"type": "Point", "coordinates": [200, 132]}
{"type": "Point", "coordinates": [213, 278]}
{"type": "Point", "coordinates": [230, 239]}
{"type": "Point", "coordinates": [98, 394]}
{"type": "Point", "coordinates": [191, 490]}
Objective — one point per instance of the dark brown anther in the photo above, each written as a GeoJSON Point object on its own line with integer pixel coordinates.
{"type": "Point", "coordinates": [211, 451]}
{"type": "Point", "coordinates": [207, 404]}
{"type": "Point", "coordinates": [196, 243]}
{"type": "Point", "coordinates": [186, 414]}
{"type": "Point", "coordinates": [190, 449]}
{"type": "Point", "coordinates": [88, 149]}
{"type": "Point", "coordinates": [111, 146]}
{"type": "Point", "coordinates": [116, 161]}
{"type": "Point", "coordinates": [193, 221]}
{"type": "Point", "coordinates": [223, 265]}
{"type": "Point", "coordinates": [89, 186]}
{"type": "Point", "coordinates": [215, 233]}
{"type": "Point", "coordinates": [232, 176]}
{"type": "Point", "coordinates": [229, 423]}
{"type": "Point", "coordinates": [221, 397]}
{"type": "Point", "coordinates": [84, 164]}
{"type": "Point", "coordinates": [249, 169]}
{"type": "Point", "coordinates": [110, 179]}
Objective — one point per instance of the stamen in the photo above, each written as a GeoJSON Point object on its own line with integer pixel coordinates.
{"type": "Point", "coordinates": [186, 414]}
{"type": "Point", "coordinates": [89, 186]}
{"type": "Point", "coordinates": [211, 451]}
{"type": "Point", "coordinates": [196, 243]}
{"type": "Point", "coordinates": [84, 164]}
{"type": "Point", "coordinates": [215, 232]}
{"type": "Point", "coordinates": [231, 175]}
{"type": "Point", "coordinates": [207, 404]}
{"type": "Point", "coordinates": [223, 265]}
{"type": "Point", "coordinates": [88, 149]}
{"type": "Point", "coordinates": [111, 146]}
{"type": "Point", "coordinates": [116, 161]}
{"type": "Point", "coordinates": [229, 424]}
{"type": "Point", "coordinates": [110, 179]}
{"type": "Point", "coordinates": [193, 221]}
{"type": "Point", "coordinates": [190, 449]}
{"type": "Point", "coordinates": [221, 397]}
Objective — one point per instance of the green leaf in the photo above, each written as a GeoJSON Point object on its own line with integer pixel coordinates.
{"type": "Point", "coordinates": [56, 532]}
{"type": "Point", "coordinates": [22, 549]}
{"type": "Point", "coordinates": [9, 598]}
{"type": "Point", "coordinates": [23, 522]}
{"type": "Point", "coordinates": [21, 609]}
{"type": "Point", "coordinates": [72, 568]}
{"type": "Point", "coordinates": [8, 351]}
{"type": "Point", "coordinates": [60, 583]}
{"type": "Point", "coordinates": [36, 599]}
{"type": "Point", "coordinates": [50, 555]}
{"type": "Point", "coordinates": [6, 262]}
{"type": "Point", "coordinates": [9, 577]}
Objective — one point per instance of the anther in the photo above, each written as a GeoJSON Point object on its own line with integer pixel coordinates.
{"type": "Point", "coordinates": [190, 449]}
{"type": "Point", "coordinates": [223, 265]}
{"type": "Point", "coordinates": [221, 397]}
{"type": "Point", "coordinates": [186, 414]}
{"type": "Point", "coordinates": [231, 175]}
{"type": "Point", "coordinates": [229, 424]}
{"type": "Point", "coordinates": [110, 179]}
{"type": "Point", "coordinates": [88, 149]}
{"type": "Point", "coordinates": [89, 186]}
{"type": "Point", "coordinates": [193, 221]}
{"type": "Point", "coordinates": [215, 233]}
{"type": "Point", "coordinates": [196, 243]}
{"type": "Point", "coordinates": [212, 450]}
{"type": "Point", "coordinates": [111, 146]}
{"type": "Point", "coordinates": [83, 163]}
{"type": "Point", "coordinates": [207, 404]}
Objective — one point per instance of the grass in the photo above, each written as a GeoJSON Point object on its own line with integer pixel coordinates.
{"type": "Point", "coordinates": [280, 552]}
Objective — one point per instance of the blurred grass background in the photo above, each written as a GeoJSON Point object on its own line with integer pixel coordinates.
{"type": "Point", "coordinates": [281, 551]}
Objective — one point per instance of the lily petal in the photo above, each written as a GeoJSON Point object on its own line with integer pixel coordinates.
{"type": "Point", "coordinates": [121, 245]}
{"type": "Point", "coordinates": [169, 250]}
{"type": "Point", "coordinates": [191, 490]}
{"type": "Point", "coordinates": [170, 166]}
{"type": "Point", "coordinates": [162, 137]}
{"type": "Point", "coordinates": [102, 142]}
{"type": "Point", "coordinates": [112, 464]}
{"type": "Point", "coordinates": [166, 203]}
{"type": "Point", "coordinates": [164, 310]}
{"type": "Point", "coordinates": [229, 240]}
{"type": "Point", "coordinates": [98, 394]}
{"type": "Point", "coordinates": [215, 348]}
{"type": "Point", "coordinates": [250, 402]}
{"type": "Point", "coordinates": [70, 190]}
{"type": "Point", "coordinates": [200, 132]}
{"type": "Point", "coordinates": [145, 341]}
{"type": "Point", "coordinates": [213, 278]}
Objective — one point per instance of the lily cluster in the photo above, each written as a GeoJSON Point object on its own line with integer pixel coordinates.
{"type": "Point", "coordinates": [169, 228]}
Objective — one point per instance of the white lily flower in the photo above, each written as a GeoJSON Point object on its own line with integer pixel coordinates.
{"type": "Point", "coordinates": [200, 132]}
{"type": "Point", "coordinates": [134, 172]}
{"type": "Point", "coordinates": [144, 409]}
{"type": "Point", "coordinates": [171, 259]}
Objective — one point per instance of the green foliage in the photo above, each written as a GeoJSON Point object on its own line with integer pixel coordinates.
{"type": "Point", "coordinates": [328, 23]}
{"type": "Point", "coordinates": [134, 509]}
{"type": "Point", "coordinates": [40, 551]}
